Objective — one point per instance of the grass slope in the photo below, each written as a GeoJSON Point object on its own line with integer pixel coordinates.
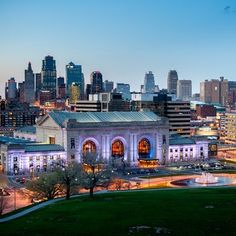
{"type": "Point", "coordinates": [210, 211]}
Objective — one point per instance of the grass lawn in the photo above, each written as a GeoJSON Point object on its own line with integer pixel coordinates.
{"type": "Point", "coordinates": [209, 211]}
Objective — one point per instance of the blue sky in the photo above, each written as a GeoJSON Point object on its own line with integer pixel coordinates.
{"type": "Point", "coordinates": [122, 39]}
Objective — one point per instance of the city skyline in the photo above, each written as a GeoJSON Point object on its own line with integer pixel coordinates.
{"type": "Point", "coordinates": [194, 38]}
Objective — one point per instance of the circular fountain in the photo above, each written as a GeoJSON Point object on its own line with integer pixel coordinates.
{"type": "Point", "coordinates": [206, 178]}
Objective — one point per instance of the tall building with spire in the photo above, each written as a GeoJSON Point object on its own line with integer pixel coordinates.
{"type": "Point", "coordinates": [29, 90]}
{"type": "Point", "coordinates": [172, 81]}
{"type": "Point", "coordinates": [149, 83]}
{"type": "Point", "coordinates": [49, 75]}
{"type": "Point", "coordinates": [74, 75]}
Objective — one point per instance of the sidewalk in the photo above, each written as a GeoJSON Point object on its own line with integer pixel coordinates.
{"type": "Point", "coordinates": [31, 209]}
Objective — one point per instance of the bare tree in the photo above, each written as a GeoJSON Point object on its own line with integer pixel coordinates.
{"type": "Point", "coordinates": [94, 172]}
{"type": "Point", "coordinates": [69, 176]}
{"type": "Point", "coordinates": [46, 186]}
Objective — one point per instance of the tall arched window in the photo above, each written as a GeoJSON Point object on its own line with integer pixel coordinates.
{"type": "Point", "coordinates": [144, 148]}
{"type": "Point", "coordinates": [117, 148]}
{"type": "Point", "coordinates": [89, 146]}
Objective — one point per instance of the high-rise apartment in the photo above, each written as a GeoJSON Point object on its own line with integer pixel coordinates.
{"type": "Point", "coordinates": [49, 75]}
{"type": "Point", "coordinates": [29, 90]}
{"type": "Point", "coordinates": [74, 75]}
{"type": "Point", "coordinates": [172, 79]}
{"type": "Point", "coordinates": [184, 89]}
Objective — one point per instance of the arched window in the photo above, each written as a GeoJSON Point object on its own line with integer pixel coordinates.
{"type": "Point", "coordinates": [117, 148]}
{"type": "Point", "coordinates": [89, 146]}
{"type": "Point", "coordinates": [144, 148]}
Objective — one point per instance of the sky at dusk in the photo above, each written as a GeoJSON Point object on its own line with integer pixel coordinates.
{"type": "Point", "coordinates": [122, 39]}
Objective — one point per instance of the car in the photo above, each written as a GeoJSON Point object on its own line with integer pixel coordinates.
{"type": "Point", "coordinates": [17, 179]}
{"type": "Point", "coordinates": [22, 180]}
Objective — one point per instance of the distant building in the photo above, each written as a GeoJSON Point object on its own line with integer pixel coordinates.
{"type": "Point", "coordinates": [29, 90]}
{"type": "Point", "coordinates": [61, 88]}
{"type": "Point", "coordinates": [38, 79]}
{"type": "Point", "coordinates": [14, 115]}
{"type": "Point", "coordinates": [124, 89]}
{"type": "Point", "coordinates": [11, 90]}
{"type": "Point", "coordinates": [179, 115]}
{"type": "Point", "coordinates": [108, 86]}
{"type": "Point", "coordinates": [184, 89]}
{"type": "Point", "coordinates": [214, 91]}
{"type": "Point", "coordinates": [74, 93]}
{"type": "Point", "coordinates": [96, 82]}
{"type": "Point", "coordinates": [74, 75]}
{"type": "Point", "coordinates": [44, 96]}
{"type": "Point", "coordinates": [49, 75]}
{"type": "Point", "coordinates": [149, 83]}
{"type": "Point", "coordinates": [172, 81]}
{"type": "Point", "coordinates": [196, 97]}
{"type": "Point", "coordinates": [230, 128]}
{"type": "Point", "coordinates": [205, 110]}
{"type": "Point", "coordinates": [232, 94]}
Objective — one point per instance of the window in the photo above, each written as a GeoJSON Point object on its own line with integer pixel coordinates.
{"type": "Point", "coordinates": [72, 143]}
{"type": "Point", "coordinates": [176, 150]}
{"type": "Point", "coordinates": [201, 148]}
{"type": "Point", "coordinates": [191, 149]}
{"type": "Point", "coordinates": [52, 140]}
{"type": "Point", "coordinates": [15, 158]}
{"type": "Point", "coordinates": [72, 157]}
{"type": "Point", "coordinates": [171, 150]}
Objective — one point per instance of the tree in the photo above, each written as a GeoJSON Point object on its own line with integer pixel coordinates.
{"type": "Point", "coordinates": [47, 185]}
{"type": "Point", "coordinates": [94, 173]}
{"type": "Point", "coordinates": [69, 177]}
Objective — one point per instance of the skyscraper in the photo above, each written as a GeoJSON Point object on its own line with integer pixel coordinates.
{"type": "Point", "coordinates": [10, 90]}
{"type": "Point", "coordinates": [108, 86]}
{"type": "Point", "coordinates": [149, 83]}
{"type": "Point", "coordinates": [61, 88]}
{"type": "Point", "coordinates": [74, 75]}
{"type": "Point", "coordinates": [124, 89]}
{"type": "Point", "coordinates": [172, 81]}
{"type": "Point", "coordinates": [96, 82]}
{"type": "Point", "coordinates": [49, 75]}
{"type": "Point", "coordinates": [214, 91]}
{"type": "Point", "coordinates": [184, 89]}
{"type": "Point", "coordinates": [29, 91]}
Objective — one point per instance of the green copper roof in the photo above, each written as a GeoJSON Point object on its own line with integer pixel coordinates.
{"type": "Point", "coordinates": [96, 117]}
{"type": "Point", "coordinates": [43, 147]}
{"type": "Point", "coordinates": [27, 129]}
{"type": "Point", "coordinates": [181, 141]}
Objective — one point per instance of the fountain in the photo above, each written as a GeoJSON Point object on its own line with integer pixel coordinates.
{"type": "Point", "coordinates": [206, 178]}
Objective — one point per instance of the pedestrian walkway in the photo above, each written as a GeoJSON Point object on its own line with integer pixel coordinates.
{"type": "Point", "coordinates": [29, 210]}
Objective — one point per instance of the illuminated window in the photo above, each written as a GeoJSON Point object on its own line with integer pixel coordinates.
{"type": "Point", "coordinates": [144, 148]}
{"type": "Point", "coordinates": [117, 148]}
{"type": "Point", "coordinates": [52, 140]}
{"type": "Point", "coordinates": [89, 146]}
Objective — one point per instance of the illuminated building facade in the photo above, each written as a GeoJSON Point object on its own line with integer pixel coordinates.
{"type": "Point", "coordinates": [18, 156]}
{"type": "Point", "coordinates": [128, 136]}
